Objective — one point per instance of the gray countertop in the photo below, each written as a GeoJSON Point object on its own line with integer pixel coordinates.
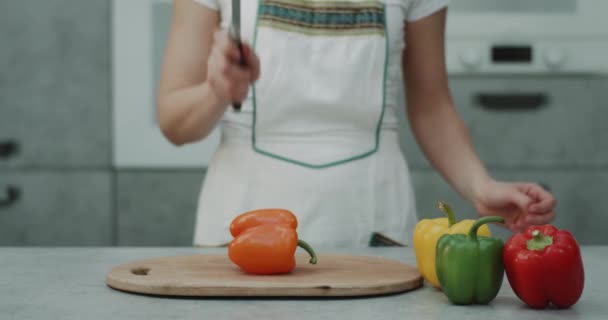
{"type": "Point", "coordinates": [68, 283]}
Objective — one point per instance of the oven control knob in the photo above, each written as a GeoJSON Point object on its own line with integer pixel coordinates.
{"type": "Point", "coordinates": [471, 58]}
{"type": "Point", "coordinates": [554, 58]}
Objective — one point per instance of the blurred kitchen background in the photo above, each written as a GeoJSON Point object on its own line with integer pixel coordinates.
{"type": "Point", "coordinates": [82, 162]}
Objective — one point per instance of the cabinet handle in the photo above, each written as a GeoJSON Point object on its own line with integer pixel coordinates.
{"type": "Point", "coordinates": [8, 149]}
{"type": "Point", "coordinates": [512, 101]}
{"type": "Point", "coordinates": [12, 195]}
{"type": "Point", "coordinates": [545, 186]}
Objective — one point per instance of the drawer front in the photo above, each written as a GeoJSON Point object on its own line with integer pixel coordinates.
{"type": "Point", "coordinates": [55, 209]}
{"type": "Point", "coordinates": [157, 208]}
{"type": "Point", "coordinates": [533, 122]}
{"type": "Point", "coordinates": [55, 84]}
{"type": "Point", "coordinates": [579, 194]}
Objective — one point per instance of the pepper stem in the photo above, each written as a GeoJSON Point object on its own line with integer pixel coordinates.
{"type": "Point", "coordinates": [313, 256]}
{"type": "Point", "coordinates": [481, 222]}
{"type": "Point", "coordinates": [448, 212]}
{"type": "Point", "coordinates": [538, 241]}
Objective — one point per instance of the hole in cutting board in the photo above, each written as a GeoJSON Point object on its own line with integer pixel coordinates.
{"type": "Point", "coordinates": [323, 287]}
{"type": "Point", "coordinates": [140, 271]}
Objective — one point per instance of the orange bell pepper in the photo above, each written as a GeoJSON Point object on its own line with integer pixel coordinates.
{"type": "Point", "coordinates": [263, 216]}
{"type": "Point", "coordinates": [265, 242]}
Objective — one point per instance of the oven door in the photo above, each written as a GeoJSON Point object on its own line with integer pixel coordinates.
{"type": "Point", "coordinates": [140, 29]}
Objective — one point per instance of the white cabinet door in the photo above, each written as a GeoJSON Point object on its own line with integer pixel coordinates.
{"type": "Point", "coordinates": [140, 29]}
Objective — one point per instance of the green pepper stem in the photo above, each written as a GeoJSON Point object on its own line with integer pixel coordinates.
{"type": "Point", "coordinates": [538, 241]}
{"type": "Point", "coordinates": [448, 212]}
{"type": "Point", "coordinates": [313, 256]}
{"type": "Point", "coordinates": [481, 222]}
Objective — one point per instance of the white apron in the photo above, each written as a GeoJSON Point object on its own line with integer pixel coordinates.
{"type": "Point", "coordinates": [320, 101]}
{"type": "Point", "coordinates": [318, 133]}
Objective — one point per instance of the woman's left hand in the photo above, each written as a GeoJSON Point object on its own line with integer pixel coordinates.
{"type": "Point", "coordinates": [520, 204]}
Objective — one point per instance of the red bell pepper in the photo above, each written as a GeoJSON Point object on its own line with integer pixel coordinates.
{"type": "Point", "coordinates": [544, 265]}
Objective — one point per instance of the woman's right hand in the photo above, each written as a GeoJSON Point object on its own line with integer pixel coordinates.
{"type": "Point", "coordinates": [230, 81]}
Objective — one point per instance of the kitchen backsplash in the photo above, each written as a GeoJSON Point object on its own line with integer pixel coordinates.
{"type": "Point", "coordinates": [55, 112]}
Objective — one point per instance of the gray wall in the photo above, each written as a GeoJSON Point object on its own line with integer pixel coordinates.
{"type": "Point", "coordinates": [55, 89]}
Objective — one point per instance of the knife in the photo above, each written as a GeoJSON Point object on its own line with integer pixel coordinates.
{"type": "Point", "coordinates": [235, 33]}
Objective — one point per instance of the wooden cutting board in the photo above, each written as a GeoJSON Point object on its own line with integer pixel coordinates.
{"type": "Point", "coordinates": [216, 275]}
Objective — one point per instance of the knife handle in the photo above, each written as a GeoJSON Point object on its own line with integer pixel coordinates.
{"type": "Point", "coordinates": [237, 105]}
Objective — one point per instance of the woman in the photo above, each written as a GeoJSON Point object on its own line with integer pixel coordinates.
{"type": "Point", "coordinates": [317, 133]}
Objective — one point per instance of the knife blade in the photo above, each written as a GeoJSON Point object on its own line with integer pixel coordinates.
{"type": "Point", "coordinates": [235, 33]}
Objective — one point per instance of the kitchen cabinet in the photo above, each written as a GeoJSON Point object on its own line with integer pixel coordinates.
{"type": "Point", "coordinates": [55, 141]}
{"type": "Point", "coordinates": [55, 84]}
{"type": "Point", "coordinates": [530, 121]}
{"type": "Point", "coordinates": [157, 208]}
{"type": "Point", "coordinates": [579, 194]}
{"type": "Point", "coordinates": [56, 209]}
{"type": "Point", "coordinates": [139, 35]}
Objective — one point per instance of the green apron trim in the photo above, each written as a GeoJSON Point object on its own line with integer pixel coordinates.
{"type": "Point", "coordinates": [335, 163]}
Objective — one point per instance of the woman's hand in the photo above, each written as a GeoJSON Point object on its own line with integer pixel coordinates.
{"type": "Point", "coordinates": [228, 80]}
{"type": "Point", "coordinates": [200, 74]}
{"type": "Point", "coordinates": [520, 204]}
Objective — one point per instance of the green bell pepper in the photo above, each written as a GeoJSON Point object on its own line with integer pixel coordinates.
{"type": "Point", "coordinates": [469, 267]}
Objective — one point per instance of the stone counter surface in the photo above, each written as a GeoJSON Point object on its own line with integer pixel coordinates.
{"type": "Point", "coordinates": [68, 283]}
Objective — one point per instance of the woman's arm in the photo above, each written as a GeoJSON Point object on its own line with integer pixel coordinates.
{"type": "Point", "coordinates": [199, 76]}
{"type": "Point", "coordinates": [444, 139]}
{"type": "Point", "coordinates": [435, 122]}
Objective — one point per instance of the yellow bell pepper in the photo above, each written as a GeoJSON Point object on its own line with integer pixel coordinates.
{"type": "Point", "coordinates": [428, 232]}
